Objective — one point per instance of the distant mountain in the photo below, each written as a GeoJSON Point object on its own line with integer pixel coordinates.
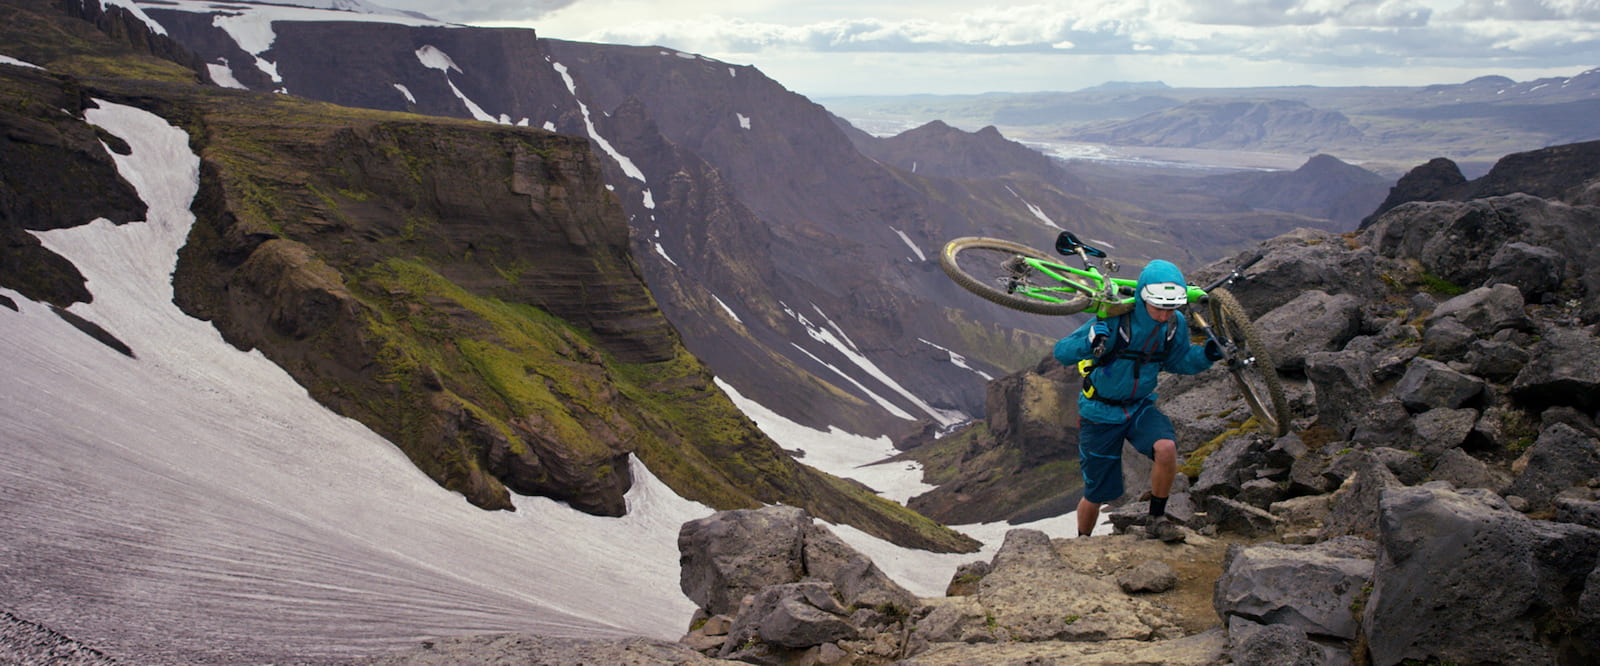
{"type": "Point", "coordinates": [937, 149]}
{"type": "Point", "coordinates": [1324, 188]}
{"type": "Point", "coordinates": [1229, 124]}
{"type": "Point", "coordinates": [1473, 123]}
{"type": "Point", "coordinates": [1123, 86]}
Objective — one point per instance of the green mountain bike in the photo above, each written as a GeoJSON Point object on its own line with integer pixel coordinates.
{"type": "Point", "coordinates": [1022, 278]}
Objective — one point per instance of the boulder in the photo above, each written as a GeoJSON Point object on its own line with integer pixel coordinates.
{"type": "Point", "coordinates": [1355, 504]}
{"type": "Point", "coordinates": [1447, 339]}
{"type": "Point", "coordinates": [1034, 596]}
{"type": "Point", "coordinates": [1315, 321]}
{"type": "Point", "coordinates": [1485, 310]}
{"type": "Point", "coordinates": [1495, 361]}
{"type": "Point", "coordinates": [1310, 587]}
{"type": "Point", "coordinates": [1464, 471]}
{"type": "Point", "coordinates": [1463, 578]}
{"type": "Point", "coordinates": [1384, 422]}
{"type": "Point", "coordinates": [731, 554]}
{"type": "Point", "coordinates": [792, 616]}
{"type": "Point", "coordinates": [1585, 512]}
{"type": "Point", "coordinates": [1406, 466]}
{"type": "Point", "coordinates": [1534, 270]}
{"type": "Point", "coordinates": [1442, 429]}
{"type": "Point", "coordinates": [1429, 384]}
{"type": "Point", "coordinates": [1030, 412]}
{"type": "Point", "coordinates": [1344, 388]}
{"type": "Point", "coordinates": [1562, 457]}
{"type": "Point", "coordinates": [1234, 516]}
{"type": "Point", "coordinates": [1564, 369]}
{"type": "Point", "coordinates": [1229, 467]}
{"type": "Point", "coordinates": [953, 620]}
{"type": "Point", "coordinates": [1152, 576]}
{"type": "Point", "coordinates": [1275, 645]}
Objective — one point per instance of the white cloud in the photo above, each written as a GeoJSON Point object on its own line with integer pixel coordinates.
{"type": "Point", "coordinates": [951, 46]}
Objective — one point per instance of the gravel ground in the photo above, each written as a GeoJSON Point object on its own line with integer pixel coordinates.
{"type": "Point", "coordinates": [23, 642]}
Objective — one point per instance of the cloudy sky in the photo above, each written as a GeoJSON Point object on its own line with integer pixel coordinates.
{"type": "Point", "coordinates": [824, 48]}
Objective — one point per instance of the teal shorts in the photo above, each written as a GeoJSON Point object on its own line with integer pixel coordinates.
{"type": "Point", "coordinates": [1100, 448]}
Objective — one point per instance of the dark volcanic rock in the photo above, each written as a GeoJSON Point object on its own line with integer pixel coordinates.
{"type": "Point", "coordinates": [1462, 577]}
{"type": "Point", "coordinates": [1309, 587]}
{"type": "Point", "coordinates": [1439, 179]}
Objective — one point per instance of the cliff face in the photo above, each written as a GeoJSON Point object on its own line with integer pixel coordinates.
{"type": "Point", "coordinates": [466, 290]}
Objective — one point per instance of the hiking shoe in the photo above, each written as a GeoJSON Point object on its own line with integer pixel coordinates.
{"type": "Point", "coordinates": [1164, 529]}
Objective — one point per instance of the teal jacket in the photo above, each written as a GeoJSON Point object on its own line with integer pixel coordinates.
{"type": "Point", "coordinates": [1126, 379]}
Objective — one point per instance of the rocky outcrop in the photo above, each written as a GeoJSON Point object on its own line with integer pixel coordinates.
{"type": "Point", "coordinates": [765, 600]}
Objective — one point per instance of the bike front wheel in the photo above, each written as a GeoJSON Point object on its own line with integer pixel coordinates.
{"type": "Point", "coordinates": [1251, 365]}
{"type": "Point", "coordinates": [994, 270]}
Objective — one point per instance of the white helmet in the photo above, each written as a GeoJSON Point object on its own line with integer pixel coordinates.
{"type": "Point", "coordinates": [1165, 295]}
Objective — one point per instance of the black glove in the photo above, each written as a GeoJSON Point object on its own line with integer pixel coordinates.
{"type": "Point", "coordinates": [1213, 350]}
{"type": "Point", "coordinates": [1098, 333]}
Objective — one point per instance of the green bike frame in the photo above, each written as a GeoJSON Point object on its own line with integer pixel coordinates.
{"type": "Point", "coordinates": [1109, 296]}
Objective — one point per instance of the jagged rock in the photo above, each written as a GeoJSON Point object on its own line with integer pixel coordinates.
{"type": "Point", "coordinates": [1229, 467]}
{"type": "Point", "coordinates": [1299, 261]}
{"type": "Point", "coordinates": [1313, 474]}
{"type": "Point", "coordinates": [1384, 422]}
{"type": "Point", "coordinates": [1031, 412]}
{"type": "Point", "coordinates": [1578, 512]}
{"type": "Point", "coordinates": [1315, 321]}
{"type": "Point", "coordinates": [1034, 596]}
{"type": "Point", "coordinates": [953, 620]}
{"type": "Point", "coordinates": [1572, 417]}
{"type": "Point", "coordinates": [1562, 457]}
{"type": "Point", "coordinates": [965, 580]}
{"type": "Point", "coordinates": [1275, 645]}
{"type": "Point", "coordinates": [1344, 388]}
{"type": "Point", "coordinates": [1564, 369]}
{"type": "Point", "coordinates": [1429, 384]}
{"type": "Point", "coordinates": [1260, 492]}
{"type": "Point", "coordinates": [1446, 338]}
{"type": "Point", "coordinates": [1284, 451]}
{"type": "Point", "coordinates": [1485, 310]}
{"type": "Point", "coordinates": [1406, 466]}
{"type": "Point", "coordinates": [731, 554]}
{"type": "Point", "coordinates": [1240, 518]}
{"type": "Point", "coordinates": [1302, 513]}
{"type": "Point", "coordinates": [1180, 508]}
{"type": "Point", "coordinates": [1464, 471]}
{"type": "Point", "coordinates": [1439, 179]}
{"type": "Point", "coordinates": [1310, 587]}
{"type": "Point", "coordinates": [1461, 577]}
{"type": "Point", "coordinates": [1534, 270]}
{"type": "Point", "coordinates": [1439, 430]}
{"type": "Point", "coordinates": [1389, 364]}
{"type": "Point", "coordinates": [1152, 576]}
{"type": "Point", "coordinates": [1495, 361]}
{"type": "Point", "coordinates": [1355, 504]}
{"type": "Point", "coordinates": [791, 615]}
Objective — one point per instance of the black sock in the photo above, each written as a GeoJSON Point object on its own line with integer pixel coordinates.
{"type": "Point", "coordinates": [1158, 506]}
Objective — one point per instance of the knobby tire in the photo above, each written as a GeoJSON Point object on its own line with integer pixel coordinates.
{"type": "Point", "coordinates": [1258, 379]}
{"type": "Point", "coordinates": [978, 264]}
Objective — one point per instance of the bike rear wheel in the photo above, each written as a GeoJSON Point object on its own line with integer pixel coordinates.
{"type": "Point", "coordinates": [990, 268]}
{"type": "Point", "coordinates": [1251, 365]}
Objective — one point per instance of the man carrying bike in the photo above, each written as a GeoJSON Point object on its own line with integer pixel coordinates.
{"type": "Point", "coordinates": [1121, 358]}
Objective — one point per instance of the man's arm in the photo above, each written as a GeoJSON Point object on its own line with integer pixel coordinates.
{"type": "Point", "coordinates": [1075, 347]}
{"type": "Point", "coordinates": [1184, 358]}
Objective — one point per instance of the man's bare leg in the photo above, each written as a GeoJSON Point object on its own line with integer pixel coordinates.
{"type": "Point", "coordinates": [1165, 468]}
{"type": "Point", "coordinates": [1088, 513]}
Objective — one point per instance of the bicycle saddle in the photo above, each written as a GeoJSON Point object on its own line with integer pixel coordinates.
{"type": "Point", "coordinates": [1068, 243]}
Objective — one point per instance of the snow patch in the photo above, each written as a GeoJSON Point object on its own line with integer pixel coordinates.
{"type": "Point", "coordinates": [913, 246]}
{"type": "Point", "coordinates": [663, 252]}
{"type": "Point", "coordinates": [841, 343]}
{"type": "Point", "coordinates": [407, 92]}
{"type": "Point", "coordinates": [958, 360]}
{"type": "Point", "coordinates": [731, 314]}
{"type": "Point", "coordinates": [744, 121]}
{"type": "Point", "coordinates": [8, 60]}
{"type": "Point", "coordinates": [137, 13]}
{"type": "Point", "coordinates": [627, 165]}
